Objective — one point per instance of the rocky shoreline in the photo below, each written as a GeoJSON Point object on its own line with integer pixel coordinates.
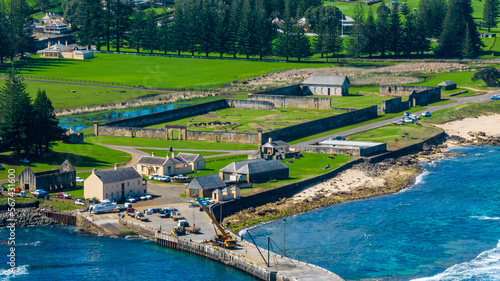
{"type": "Point", "coordinates": [25, 217]}
{"type": "Point", "coordinates": [394, 175]}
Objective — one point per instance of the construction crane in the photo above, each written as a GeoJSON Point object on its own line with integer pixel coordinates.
{"type": "Point", "coordinates": [222, 235]}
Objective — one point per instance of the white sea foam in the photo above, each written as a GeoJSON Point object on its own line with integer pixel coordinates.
{"type": "Point", "coordinates": [7, 274]}
{"type": "Point", "coordinates": [486, 266]}
{"type": "Point", "coordinates": [420, 178]}
{"type": "Point", "coordinates": [482, 218]}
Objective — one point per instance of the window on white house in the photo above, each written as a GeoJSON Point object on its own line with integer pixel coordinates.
{"type": "Point", "coordinates": [128, 184]}
{"type": "Point", "coordinates": [142, 168]}
{"type": "Point", "coordinates": [139, 182]}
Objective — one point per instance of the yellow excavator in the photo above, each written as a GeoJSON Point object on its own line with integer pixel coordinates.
{"type": "Point", "coordinates": [222, 235]}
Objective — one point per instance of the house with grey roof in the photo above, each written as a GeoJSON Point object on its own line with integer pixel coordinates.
{"type": "Point", "coordinates": [448, 85]}
{"type": "Point", "coordinates": [60, 179]}
{"type": "Point", "coordinates": [114, 184]}
{"type": "Point", "coordinates": [255, 170]}
{"type": "Point", "coordinates": [183, 163]}
{"type": "Point", "coordinates": [327, 85]}
{"type": "Point", "coordinates": [204, 186]}
{"type": "Point", "coordinates": [276, 150]}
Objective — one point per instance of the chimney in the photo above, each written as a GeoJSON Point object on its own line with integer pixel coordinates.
{"type": "Point", "coordinates": [167, 155]}
{"type": "Point", "coordinates": [94, 170]}
{"type": "Point", "coordinates": [66, 43]}
{"type": "Point", "coordinates": [48, 44]}
{"type": "Point", "coordinates": [270, 140]}
{"type": "Point", "coordinates": [116, 166]}
{"type": "Point", "coordinates": [47, 14]}
{"type": "Point", "coordinates": [153, 154]}
{"type": "Point", "coordinates": [173, 154]}
{"type": "Point", "coordinates": [58, 42]}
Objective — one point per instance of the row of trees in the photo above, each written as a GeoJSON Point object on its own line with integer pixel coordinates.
{"type": "Point", "coordinates": [400, 31]}
{"type": "Point", "coordinates": [26, 126]}
{"type": "Point", "coordinates": [15, 29]}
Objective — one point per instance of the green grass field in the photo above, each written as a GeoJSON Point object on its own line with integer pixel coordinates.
{"type": "Point", "coordinates": [62, 96]}
{"type": "Point", "coordinates": [148, 71]}
{"type": "Point", "coordinates": [246, 120]}
{"type": "Point", "coordinates": [464, 111]}
{"type": "Point", "coordinates": [389, 133]}
{"type": "Point", "coordinates": [193, 145]}
{"type": "Point", "coordinates": [163, 152]}
{"type": "Point", "coordinates": [357, 101]}
{"type": "Point", "coordinates": [46, 203]}
{"type": "Point", "coordinates": [82, 156]}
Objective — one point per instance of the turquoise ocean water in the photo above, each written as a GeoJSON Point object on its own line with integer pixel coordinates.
{"type": "Point", "coordinates": [63, 253]}
{"type": "Point", "coordinates": [445, 227]}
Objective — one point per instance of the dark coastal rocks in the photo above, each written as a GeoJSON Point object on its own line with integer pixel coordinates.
{"type": "Point", "coordinates": [456, 138]}
{"type": "Point", "coordinates": [25, 217]}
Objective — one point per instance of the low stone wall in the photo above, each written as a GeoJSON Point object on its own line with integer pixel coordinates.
{"type": "Point", "coordinates": [417, 95]}
{"type": "Point", "coordinates": [223, 136]}
{"type": "Point", "coordinates": [289, 190]}
{"type": "Point", "coordinates": [150, 133]}
{"type": "Point", "coordinates": [321, 125]}
{"type": "Point", "coordinates": [294, 101]}
{"type": "Point", "coordinates": [250, 104]}
{"type": "Point", "coordinates": [294, 90]}
{"type": "Point", "coordinates": [393, 105]}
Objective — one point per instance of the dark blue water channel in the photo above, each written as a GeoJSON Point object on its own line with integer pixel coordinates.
{"type": "Point", "coordinates": [445, 227]}
{"type": "Point", "coordinates": [80, 122]}
{"type": "Point", "coordinates": [63, 253]}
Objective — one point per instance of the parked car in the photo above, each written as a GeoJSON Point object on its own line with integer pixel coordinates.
{"type": "Point", "coordinates": [153, 177]}
{"type": "Point", "coordinates": [338, 138]}
{"type": "Point", "coordinates": [39, 193]}
{"type": "Point", "coordinates": [148, 196]}
{"type": "Point", "coordinates": [406, 113]}
{"type": "Point", "coordinates": [415, 117]}
{"type": "Point", "coordinates": [63, 195]}
{"type": "Point", "coordinates": [2, 167]}
{"type": "Point", "coordinates": [426, 114]}
{"type": "Point", "coordinates": [143, 197]}
{"type": "Point", "coordinates": [495, 97]}
{"type": "Point", "coordinates": [131, 199]}
{"type": "Point", "coordinates": [79, 202]}
{"type": "Point", "coordinates": [78, 179]}
{"type": "Point", "coordinates": [181, 177]}
{"type": "Point", "coordinates": [3, 188]}
{"type": "Point", "coordinates": [163, 178]}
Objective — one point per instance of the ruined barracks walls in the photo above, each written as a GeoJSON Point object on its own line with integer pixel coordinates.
{"type": "Point", "coordinates": [132, 127]}
{"type": "Point", "coordinates": [294, 101]}
{"type": "Point", "coordinates": [417, 95]}
{"type": "Point", "coordinates": [393, 105]}
{"type": "Point", "coordinates": [294, 90]}
{"type": "Point", "coordinates": [321, 125]}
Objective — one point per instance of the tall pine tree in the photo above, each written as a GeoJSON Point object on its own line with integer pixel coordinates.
{"type": "Point", "coordinates": [383, 30]}
{"type": "Point", "coordinates": [394, 29]}
{"type": "Point", "coordinates": [458, 22]}
{"type": "Point", "coordinates": [150, 40]}
{"type": "Point", "coordinates": [45, 124]}
{"type": "Point", "coordinates": [490, 13]}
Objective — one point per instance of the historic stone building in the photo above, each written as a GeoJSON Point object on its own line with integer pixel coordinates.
{"type": "Point", "coordinates": [183, 163]}
{"type": "Point", "coordinates": [256, 170]}
{"type": "Point", "coordinates": [63, 178]}
{"type": "Point", "coordinates": [114, 184]}
{"type": "Point", "coordinates": [327, 85]}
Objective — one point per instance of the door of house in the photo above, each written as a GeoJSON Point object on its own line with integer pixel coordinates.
{"type": "Point", "coordinates": [123, 193]}
{"type": "Point", "coordinates": [328, 91]}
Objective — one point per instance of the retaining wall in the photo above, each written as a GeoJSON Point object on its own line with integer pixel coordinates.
{"type": "Point", "coordinates": [294, 101]}
{"type": "Point", "coordinates": [417, 95]}
{"type": "Point", "coordinates": [60, 217]}
{"type": "Point", "coordinates": [221, 255]}
{"type": "Point", "coordinates": [358, 151]}
{"type": "Point", "coordinates": [273, 195]}
{"type": "Point", "coordinates": [321, 125]}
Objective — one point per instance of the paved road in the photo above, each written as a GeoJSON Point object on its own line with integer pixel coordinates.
{"type": "Point", "coordinates": [458, 101]}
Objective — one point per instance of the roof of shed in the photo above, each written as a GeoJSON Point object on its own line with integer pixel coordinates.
{"type": "Point", "coordinates": [188, 157]}
{"type": "Point", "coordinates": [447, 83]}
{"type": "Point", "coordinates": [118, 175]}
{"type": "Point", "coordinates": [276, 143]}
{"type": "Point", "coordinates": [206, 182]}
{"type": "Point", "coordinates": [331, 80]}
{"type": "Point", "coordinates": [235, 166]}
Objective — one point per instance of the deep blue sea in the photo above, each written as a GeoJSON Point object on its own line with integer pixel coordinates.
{"type": "Point", "coordinates": [445, 227]}
{"type": "Point", "coordinates": [63, 253]}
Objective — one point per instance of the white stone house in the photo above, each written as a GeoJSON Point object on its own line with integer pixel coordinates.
{"type": "Point", "coordinates": [114, 184]}
{"type": "Point", "coordinates": [183, 163]}
{"type": "Point", "coordinates": [327, 85]}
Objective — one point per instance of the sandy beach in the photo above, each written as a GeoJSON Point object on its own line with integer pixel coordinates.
{"type": "Point", "coordinates": [490, 125]}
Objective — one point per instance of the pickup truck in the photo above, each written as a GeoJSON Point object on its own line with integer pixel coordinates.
{"type": "Point", "coordinates": [176, 215]}
{"type": "Point", "coordinates": [39, 193]}
{"type": "Point", "coordinates": [80, 202]}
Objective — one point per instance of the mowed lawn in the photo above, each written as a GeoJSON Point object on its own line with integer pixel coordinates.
{"type": "Point", "coordinates": [84, 156]}
{"type": "Point", "coordinates": [245, 120]}
{"type": "Point", "coordinates": [163, 72]}
{"type": "Point", "coordinates": [69, 95]}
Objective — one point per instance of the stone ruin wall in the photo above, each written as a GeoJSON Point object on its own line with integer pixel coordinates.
{"type": "Point", "coordinates": [294, 101]}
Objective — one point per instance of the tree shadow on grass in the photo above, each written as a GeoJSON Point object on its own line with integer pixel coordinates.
{"type": "Point", "coordinates": [29, 65]}
{"type": "Point", "coordinates": [57, 158]}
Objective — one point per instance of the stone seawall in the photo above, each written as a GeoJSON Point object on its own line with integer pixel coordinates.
{"type": "Point", "coordinates": [294, 101]}
{"type": "Point", "coordinates": [321, 125]}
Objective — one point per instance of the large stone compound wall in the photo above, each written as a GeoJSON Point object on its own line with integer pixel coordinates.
{"type": "Point", "coordinates": [294, 101]}
{"type": "Point", "coordinates": [250, 104]}
{"type": "Point", "coordinates": [323, 124]}
{"type": "Point", "coordinates": [417, 95]}
{"type": "Point", "coordinates": [393, 105]}
{"type": "Point", "coordinates": [294, 90]}
{"type": "Point", "coordinates": [223, 136]}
